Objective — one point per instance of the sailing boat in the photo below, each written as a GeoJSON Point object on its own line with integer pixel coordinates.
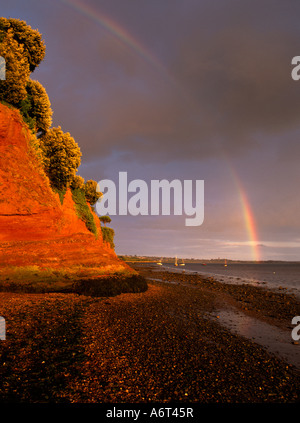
{"type": "Point", "coordinates": [160, 262]}
{"type": "Point", "coordinates": [182, 263]}
{"type": "Point", "coordinates": [176, 264]}
{"type": "Point", "coordinates": [225, 264]}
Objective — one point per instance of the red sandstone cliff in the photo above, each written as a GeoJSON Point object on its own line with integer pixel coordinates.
{"type": "Point", "coordinates": [35, 229]}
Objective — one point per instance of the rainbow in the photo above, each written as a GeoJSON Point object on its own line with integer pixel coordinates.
{"type": "Point", "coordinates": [117, 31]}
{"type": "Point", "coordinates": [128, 40]}
{"type": "Point", "coordinates": [248, 217]}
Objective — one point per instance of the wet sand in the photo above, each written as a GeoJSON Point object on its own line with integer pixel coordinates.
{"type": "Point", "coordinates": [168, 344]}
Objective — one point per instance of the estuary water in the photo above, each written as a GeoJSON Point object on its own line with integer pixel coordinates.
{"type": "Point", "coordinates": [271, 275]}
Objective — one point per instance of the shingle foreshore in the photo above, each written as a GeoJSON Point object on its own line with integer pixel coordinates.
{"type": "Point", "coordinates": [155, 346]}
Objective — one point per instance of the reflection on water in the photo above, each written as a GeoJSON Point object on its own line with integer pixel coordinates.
{"type": "Point", "coordinates": [272, 275]}
{"type": "Point", "coordinates": [275, 340]}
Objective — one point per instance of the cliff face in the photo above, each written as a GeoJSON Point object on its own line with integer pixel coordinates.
{"type": "Point", "coordinates": [35, 229]}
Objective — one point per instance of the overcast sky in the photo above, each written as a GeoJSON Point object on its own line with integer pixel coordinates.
{"type": "Point", "coordinates": [188, 90]}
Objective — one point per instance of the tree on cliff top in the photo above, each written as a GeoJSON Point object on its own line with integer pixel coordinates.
{"type": "Point", "coordinates": [13, 89]}
{"type": "Point", "coordinates": [29, 39]}
{"type": "Point", "coordinates": [62, 157]}
{"type": "Point", "coordinates": [105, 219]}
{"type": "Point", "coordinates": [23, 49]}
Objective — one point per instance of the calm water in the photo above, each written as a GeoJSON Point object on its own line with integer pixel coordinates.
{"type": "Point", "coordinates": [286, 275]}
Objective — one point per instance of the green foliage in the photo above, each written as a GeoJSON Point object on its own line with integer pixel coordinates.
{"type": "Point", "coordinates": [39, 107]}
{"type": "Point", "coordinates": [61, 157]}
{"type": "Point", "coordinates": [35, 279]}
{"type": "Point", "coordinates": [92, 193]}
{"type": "Point", "coordinates": [13, 89]}
{"type": "Point", "coordinates": [108, 236]}
{"type": "Point", "coordinates": [61, 194]}
{"type": "Point", "coordinates": [35, 147]}
{"type": "Point", "coordinates": [107, 233]}
{"type": "Point", "coordinates": [25, 107]}
{"type": "Point", "coordinates": [77, 183]}
{"type": "Point", "coordinates": [105, 219]}
{"type": "Point", "coordinates": [29, 39]}
{"type": "Point", "coordinates": [32, 279]}
{"type": "Point", "coordinates": [23, 50]}
{"type": "Point", "coordinates": [83, 211]}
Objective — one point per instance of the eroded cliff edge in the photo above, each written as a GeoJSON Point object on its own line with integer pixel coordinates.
{"type": "Point", "coordinates": [35, 228]}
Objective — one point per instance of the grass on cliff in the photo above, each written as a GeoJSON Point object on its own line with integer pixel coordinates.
{"type": "Point", "coordinates": [108, 236]}
{"type": "Point", "coordinates": [83, 211]}
{"type": "Point", "coordinates": [100, 282]}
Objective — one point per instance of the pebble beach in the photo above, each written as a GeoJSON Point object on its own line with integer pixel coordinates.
{"type": "Point", "coordinates": [165, 345]}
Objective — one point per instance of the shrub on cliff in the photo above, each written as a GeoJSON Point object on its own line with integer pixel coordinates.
{"type": "Point", "coordinates": [108, 236]}
{"type": "Point", "coordinates": [107, 233]}
{"type": "Point", "coordinates": [92, 193]}
{"type": "Point", "coordinates": [40, 109]}
{"type": "Point", "coordinates": [36, 108]}
{"type": "Point", "coordinates": [78, 182]}
{"type": "Point", "coordinates": [62, 157]}
{"type": "Point", "coordinates": [23, 49]}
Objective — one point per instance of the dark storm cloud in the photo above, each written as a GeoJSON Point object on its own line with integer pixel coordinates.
{"type": "Point", "coordinates": [228, 79]}
{"type": "Point", "coordinates": [242, 78]}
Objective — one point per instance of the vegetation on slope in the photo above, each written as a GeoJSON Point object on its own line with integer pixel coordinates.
{"type": "Point", "coordinates": [23, 50]}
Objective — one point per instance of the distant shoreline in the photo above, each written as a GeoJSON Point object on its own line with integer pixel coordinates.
{"type": "Point", "coordinates": [233, 274]}
{"type": "Point", "coordinates": [129, 259]}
